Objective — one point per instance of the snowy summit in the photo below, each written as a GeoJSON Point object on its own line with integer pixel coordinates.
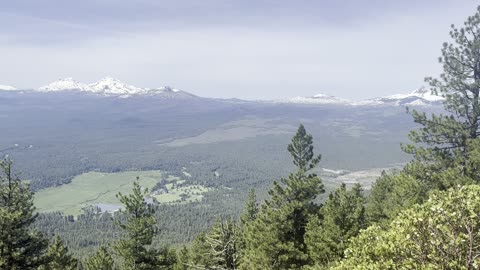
{"type": "Point", "coordinates": [64, 84]}
{"type": "Point", "coordinates": [111, 86]}
{"type": "Point", "coordinates": [419, 97]}
{"type": "Point", "coordinates": [7, 88]}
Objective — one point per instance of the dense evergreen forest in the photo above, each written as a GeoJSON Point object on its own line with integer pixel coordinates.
{"type": "Point", "coordinates": [425, 216]}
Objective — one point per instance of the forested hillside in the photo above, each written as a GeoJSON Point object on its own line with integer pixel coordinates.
{"type": "Point", "coordinates": [423, 216]}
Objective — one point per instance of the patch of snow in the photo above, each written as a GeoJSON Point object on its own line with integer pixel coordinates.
{"type": "Point", "coordinates": [417, 102]}
{"type": "Point", "coordinates": [7, 88]}
{"type": "Point", "coordinates": [419, 97]}
{"type": "Point", "coordinates": [422, 93]}
{"type": "Point", "coordinates": [427, 95]}
{"type": "Point", "coordinates": [64, 84]}
{"type": "Point", "coordinates": [109, 85]}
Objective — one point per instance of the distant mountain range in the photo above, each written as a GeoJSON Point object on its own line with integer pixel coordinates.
{"type": "Point", "coordinates": [109, 86]}
{"type": "Point", "coordinates": [420, 97]}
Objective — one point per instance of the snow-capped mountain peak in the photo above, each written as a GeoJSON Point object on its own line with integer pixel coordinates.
{"type": "Point", "coordinates": [7, 88]}
{"type": "Point", "coordinates": [419, 97]}
{"type": "Point", "coordinates": [109, 85]}
{"type": "Point", "coordinates": [422, 92]}
{"type": "Point", "coordinates": [64, 84]}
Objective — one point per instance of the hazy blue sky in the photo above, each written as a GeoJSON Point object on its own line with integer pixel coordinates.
{"type": "Point", "coordinates": [254, 49]}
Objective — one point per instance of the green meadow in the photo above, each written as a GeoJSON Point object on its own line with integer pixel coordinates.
{"type": "Point", "coordinates": [101, 188]}
{"type": "Point", "coordinates": [92, 188]}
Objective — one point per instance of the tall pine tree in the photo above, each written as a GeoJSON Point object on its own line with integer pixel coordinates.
{"type": "Point", "coordinates": [275, 239]}
{"type": "Point", "coordinates": [250, 210]}
{"type": "Point", "coordinates": [20, 247]}
{"type": "Point", "coordinates": [445, 142]}
{"type": "Point", "coordinates": [139, 230]}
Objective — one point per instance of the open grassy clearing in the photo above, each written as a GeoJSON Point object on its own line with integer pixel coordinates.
{"type": "Point", "coordinates": [176, 191]}
{"type": "Point", "coordinates": [92, 188]}
{"type": "Point", "coordinates": [95, 188]}
{"type": "Point", "coordinates": [181, 194]}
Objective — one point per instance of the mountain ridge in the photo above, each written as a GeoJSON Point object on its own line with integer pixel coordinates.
{"type": "Point", "coordinates": [419, 97]}
{"type": "Point", "coordinates": [109, 86]}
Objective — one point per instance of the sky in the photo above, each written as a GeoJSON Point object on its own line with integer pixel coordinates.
{"type": "Point", "coordinates": [249, 49]}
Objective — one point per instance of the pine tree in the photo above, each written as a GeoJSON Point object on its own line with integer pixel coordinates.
{"type": "Point", "coordinates": [224, 241]}
{"type": "Point", "coordinates": [445, 142]}
{"type": "Point", "coordinates": [183, 259]}
{"type": "Point", "coordinates": [343, 216]}
{"type": "Point", "coordinates": [301, 150]}
{"type": "Point", "coordinates": [102, 260]}
{"type": "Point", "coordinates": [250, 210]}
{"type": "Point", "coordinates": [20, 247]}
{"type": "Point", "coordinates": [139, 230]}
{"type": "Point", "coordinates": [275, 240]}
{"type": "Point", "coordinates": [249, 215]}
{"type": "Point", "coordinates": [59, 258]}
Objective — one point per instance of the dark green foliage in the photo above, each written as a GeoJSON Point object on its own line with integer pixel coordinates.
{"type": "Point", "coordinates": [20, 247]}
{"type": "Point", "coordinates": [200, 253]}
{"type": "Point", "coordinates": [250, 209]}
{"type": "Point", "coordinates": [393, 193]}
{"type": "Point", "coordinates": [275, 239]}
{"type": "Point", "coordinates": [102, 260]}
{"type": "Point", "coordinates": [139, 230]}
{"type": "Point", "coordinates": [301, 150]}
{"type": "Point", "coordinates": [59, 257]}
{"type": "Point", "coordinates": [342, 217]}
{"type": "Point", "coordinates": [445, 142]}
